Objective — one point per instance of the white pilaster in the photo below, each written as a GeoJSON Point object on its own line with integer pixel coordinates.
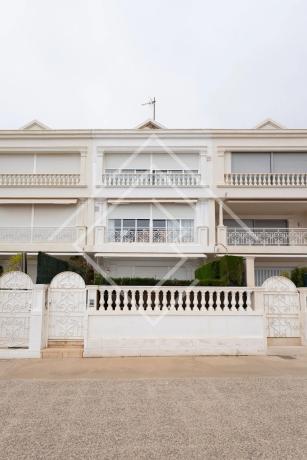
{"type": "Point", "coordinates": [83, 167]}
{"type": "Point", "coordinates": [250, 271]}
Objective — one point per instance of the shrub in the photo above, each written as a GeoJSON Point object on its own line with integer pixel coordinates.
{"type": "Point", "coordinates": [100, 280]}
{"type": "Point", "coordinates": [209, 270]}
{"type": "Point", "coordinates": [79, 265]}
{"type": "Point", "coordinates": [297, 276]}
{"type": "Point", "coordinates": [232, 270]}
{"type": "Point", "coordinates": [14, 263]}
{"type": "Point", "coordinates": [226, 271]}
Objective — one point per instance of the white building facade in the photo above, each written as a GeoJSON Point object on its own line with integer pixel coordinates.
{"type": "Point", "coordinates": [156, 202]}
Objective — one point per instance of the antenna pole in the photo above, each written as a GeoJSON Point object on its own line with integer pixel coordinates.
{"type": "Point", "coordinates": [154, 108]}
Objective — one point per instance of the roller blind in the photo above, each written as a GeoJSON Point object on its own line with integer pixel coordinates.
{"type": "Point", "coordinates": [58, 164]}
{"type": "Point", "coordinates": [250, 162]}
{"type": "Point", "coordinates": [290, 162]}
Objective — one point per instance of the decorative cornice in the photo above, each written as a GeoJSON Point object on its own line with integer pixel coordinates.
{"type": "Point", "coordinates": [161, 133]}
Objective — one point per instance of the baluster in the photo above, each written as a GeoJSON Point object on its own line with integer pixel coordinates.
{"type": "Point", "coordinates": [180, 300]}
{"type": "Point", "coordinates": [248, 300]}
{"type": "Point", "coordinates": [109, 299]}
{"type": "Point", "coordinates": [218, 300]}
{"type": "Point", "coordinates": [172, 299]}
{"type": "Point", "coordinates": [240, 301]}
{"type": "Point", "coordinates": [125, 299]}
{"type": "Point", "coordinates": [210, 301]}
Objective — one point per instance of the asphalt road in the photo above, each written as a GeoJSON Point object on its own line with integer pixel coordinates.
{"type": "Point", "coordinates": [225, 417]}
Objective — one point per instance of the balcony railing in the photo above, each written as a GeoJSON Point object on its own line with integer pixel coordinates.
{"type": "Point", "coordinates": [267, 237]}
{"type": "Point", "coordinates": [150, 180]}
{"type": "Point", "coordinates": [38, 234]}
{"type": "Point", "coordinates": [155, 235]}
{"type": "Point", "coordinates": [266, 180]}
{"type": "Point", "coordinates": [39, 180]}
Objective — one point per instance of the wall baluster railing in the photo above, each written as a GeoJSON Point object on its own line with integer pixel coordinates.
{"type": "Point", "coordinates": [265, 179]}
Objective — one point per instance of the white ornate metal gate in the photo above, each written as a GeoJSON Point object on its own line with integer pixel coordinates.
{"type": "Point", "coordinates": [282, 307]}
{"type": "Point", "coordinates": [16, 299]}
{"type": "Point", "coordinates": [67, 304]}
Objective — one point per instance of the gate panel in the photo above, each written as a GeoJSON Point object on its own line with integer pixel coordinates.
{"type": "Point", "coordinates": [16, 298]}
{"type": "Point", "coordinates": [282, 307]}
{"type": "Point", "coordinates": [67, 304]}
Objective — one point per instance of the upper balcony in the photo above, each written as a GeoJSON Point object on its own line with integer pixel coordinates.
{"type": "Point", "coordinates": [265, 179]}
{"type": "Point", "coordinates": [29, 169]}
{"type": "Point", "coordinates": [147, 179]}
{"type": "Point", "coordinates": [39, 180]}
{"type": "Point", "coordinates": [263, 174]}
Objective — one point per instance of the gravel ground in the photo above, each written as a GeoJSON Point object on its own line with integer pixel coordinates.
{"type": "Point", "coordinates": [190, 418]}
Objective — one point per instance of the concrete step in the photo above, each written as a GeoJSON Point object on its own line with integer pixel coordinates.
{"type": "Point", "coordinates": [65, 343]}
{"type": "Point", "coordinates": [62, 352]}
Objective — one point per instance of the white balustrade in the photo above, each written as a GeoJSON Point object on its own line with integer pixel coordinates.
{"type": "Point", "coordinates": [266, 179]}
{"type": "Point", "coordinates": [267, 237]}
{"type": "Point", "coordinates": [38, 234]}
{"type": "Point", "coordinates": [150, 180]}
{"type": "Point", "coordinates": [155, 235]}
{"type": "Point", "coordinates": [189, 299]}
{"type": "Point", "coordinates": [39, 180]}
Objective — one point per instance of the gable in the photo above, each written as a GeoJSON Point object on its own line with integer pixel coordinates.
{"type": "Point", "coordinates": [150, 124]}
{"type": "Point", "coordinates": [34, 125]}
{"type": "Point", "coordinates": [269, 124]}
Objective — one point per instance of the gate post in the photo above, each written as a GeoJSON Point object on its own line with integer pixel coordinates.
{"type": "Point", "coordinates": [303, 305]}
{"type": "Point", "coordinates": [37, 336]}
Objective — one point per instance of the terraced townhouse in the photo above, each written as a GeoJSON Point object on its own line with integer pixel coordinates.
{"type": "Point", "coordinates": [156, 202]}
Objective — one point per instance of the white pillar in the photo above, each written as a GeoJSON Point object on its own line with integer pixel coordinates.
{"type": "Point", "coordinates": [221, 229]}
{"type": "Point", "coordinates": [99, 166]}
{"type": "Point", "coordinates": [250, 271]}
{"type": "Point", "coordinates": [83, 167]}
{"type": "Point", "coordinates": [221, 216]}
{"type": "Point", "coordinates": [203, 168]}
{"type": "Point", "coordinates": [38, 335]}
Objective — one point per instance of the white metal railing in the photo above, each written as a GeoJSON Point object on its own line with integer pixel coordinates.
{"type": "Point", "coordinates": [150, 180]}
{"type": "Point", "coordinates": [266, 179]}
{"type": "Point", "coordinates": [37, 234]}
{"type": "Point", "coordinates": [40, 180]}
{"type": "Point", "coordinates": [190, 299]}
{"type": "Point", "coordinates": [153, 235]}
{"type": "Point", "coordinates": [267, 237]}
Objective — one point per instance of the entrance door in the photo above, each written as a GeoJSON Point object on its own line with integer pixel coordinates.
{"type": "Point", "coordinates": [67, 305]}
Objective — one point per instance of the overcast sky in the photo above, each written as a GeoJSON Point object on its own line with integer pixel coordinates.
{"type": "Point", "coordinates": [210, 63]}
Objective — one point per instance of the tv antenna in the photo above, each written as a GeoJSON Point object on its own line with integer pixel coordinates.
{"type": "Point", "coordinates": [152, 101]}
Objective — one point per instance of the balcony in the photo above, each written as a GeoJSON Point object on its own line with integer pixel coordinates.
{"type": "Point", "coordinates": [40, 238]}
{"type": "Point", "coordinates": [151, 180]}
{"type": "Point", "coordinates": [154, 235]}
{"type": "Point", "coordinates": [266, 237]}
{"type": "Point", "coordinates": [265, 179]}
{"type": "Point", "coordinates": [39, 180]}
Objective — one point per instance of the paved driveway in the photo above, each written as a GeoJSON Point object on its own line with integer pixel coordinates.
{"type": "Point", "coordinates": [241, 417]}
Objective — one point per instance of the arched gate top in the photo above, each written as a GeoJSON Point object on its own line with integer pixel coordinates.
{"type": "Point", "coordinates": [67, 280]}
{"type": "Point", "coordinates": [279, 283]}
{"type": "Point", "coordinates": [16, 280]}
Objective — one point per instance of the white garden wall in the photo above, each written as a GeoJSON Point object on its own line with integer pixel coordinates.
{"type": "Point", "coordinates": [174, 334]}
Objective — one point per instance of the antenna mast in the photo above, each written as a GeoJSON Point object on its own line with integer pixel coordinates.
{"type": "Point", "coordinates": [153, 103]}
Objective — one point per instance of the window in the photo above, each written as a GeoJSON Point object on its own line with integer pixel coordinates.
{"type": "Point", "coordinates": [257, 223]}
{"type": "Point", "coordinates": [269, 162]}
{"type": "Point", "coordinates": [161, 230]}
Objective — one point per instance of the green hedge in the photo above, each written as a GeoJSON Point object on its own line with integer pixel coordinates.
{"type": "Point", "coordinates": [297, 276]}
{"type": "Point", "coordinates": [100, 280]}
{"type": "Point", "coordinates": [226, 271]}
